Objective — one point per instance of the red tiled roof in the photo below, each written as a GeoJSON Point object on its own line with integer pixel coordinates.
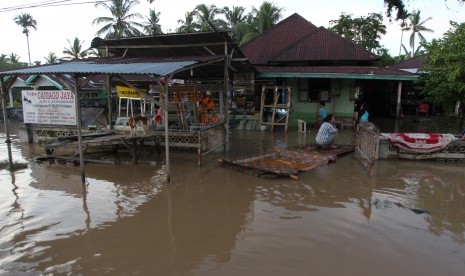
{"type": "Point", "coordinates": [324, 45]}
{"type": "Point", "coordinates": [362, 70]}
{"type": "Point", "coordinates": [270, 43]}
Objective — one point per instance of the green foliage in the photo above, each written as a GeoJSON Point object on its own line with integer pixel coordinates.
{"type": "Point", "coordinates": [386, 59]}
{"type": "Point", "coordinates": [26, 21]}
{"type": "Point", "coordinates": [206, 16]}
{"type": "Point", "coordinates": [151, 26]}
{"type": "Point", "coordinates": [364, 31]}
{"type": "Point", "coordinates": [444, 80]}
{"type": "Point", "coordinates": [75, 49]}
{"type": "Point", "coordinates": [417, 27]}
{"type": "Point", "coordinates": [10, 62]}
{"type": "Point", "coordinates": [121, 22]}
{"type": "Point", "coordinates": [259, 21]}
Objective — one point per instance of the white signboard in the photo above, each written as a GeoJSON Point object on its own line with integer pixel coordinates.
{"type": "Point", "coordinates": [52, 107]}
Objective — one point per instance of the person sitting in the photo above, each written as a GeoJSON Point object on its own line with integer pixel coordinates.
{"type": "Point", "coordinates": [327, 133]}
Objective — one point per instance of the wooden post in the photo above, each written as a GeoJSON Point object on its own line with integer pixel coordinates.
{"type": "Point", "coordinates": [399, 106]}
{"type": "Point", "coordinates": [109, 101]}
{"type": "Point", "coordinates": [167, 148]}
{"type": "Point", "coordinates": [5, 123]}
{"type": "Point", "coordinates": [78, 125]}
{"type": "Point", "coordinates": [223, 106]}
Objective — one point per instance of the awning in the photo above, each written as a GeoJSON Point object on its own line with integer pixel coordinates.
{"type": "Point", "coordinates": [133, 66]}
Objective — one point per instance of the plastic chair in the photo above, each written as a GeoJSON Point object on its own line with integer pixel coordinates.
{"type": "Point", "coordinates": [422, 108]}
{"type": "Point", "coordinates": [302, 126]}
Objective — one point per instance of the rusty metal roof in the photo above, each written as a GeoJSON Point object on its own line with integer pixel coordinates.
{"type": "Point", "coordinates": [411, 63]}
{"type": "Point", "coordinates": [324, 45]}
{"type": "Point", "coordinates": [170, 45]}
{"type": "Point", "coordinates": [295, 39]}
{"type": "Point", "coordinates": [268, 44]}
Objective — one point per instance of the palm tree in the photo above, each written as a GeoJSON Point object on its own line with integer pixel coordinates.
{"type": "Point", "coordinates": [121, 23]}
{"type": "Point", "coordinates": [26, 22]}
{"type": "Point", "coordinates": [403, 25]}
{"type": "Point", "coordinates": [151, 26]}
{"type": "Point", "coordinates": [74, 51]}
{"type": "Point", "coordinates": [268, 15]}
{"type": "Point", "coordinates": [51, 58]}
{"type": "Point", "coordinates": [4, 62]}
{"type": "Point", "coordinates": [100, 53]}
{"type": "Point", "coordinates": [187, 25]}
{"type": "Point", "coordinates": [260, 20]}
{"type": "Point", "coordinates": [206, 15]}
{"type": "Point", "coordinates": [235, 17]}
{"type": "Point", "coordinates": [14, 58]}
{"type": "Point", "coordinates": [417, 27]}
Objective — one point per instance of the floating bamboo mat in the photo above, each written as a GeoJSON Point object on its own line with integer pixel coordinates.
{"type": "Point", "coordinates": [287, 162]}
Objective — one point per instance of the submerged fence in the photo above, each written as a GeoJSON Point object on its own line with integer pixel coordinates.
{"type": "Point", "coordinates": [366, 145]}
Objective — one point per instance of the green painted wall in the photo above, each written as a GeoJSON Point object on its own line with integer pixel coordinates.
{"type": "Point", "coordinates": [341, 105]}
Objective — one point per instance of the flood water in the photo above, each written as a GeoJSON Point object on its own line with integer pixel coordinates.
{"type": "Point", "coordinates": [408, 219]}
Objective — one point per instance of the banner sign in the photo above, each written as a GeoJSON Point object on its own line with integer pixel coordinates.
{"type": "Point", "coordinates": [127, 92]}
{"type": "Point", "coordinates": [53, 107]}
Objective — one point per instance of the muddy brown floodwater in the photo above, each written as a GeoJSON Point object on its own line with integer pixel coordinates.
{"type": "Point", "coordinates": [408, 219]}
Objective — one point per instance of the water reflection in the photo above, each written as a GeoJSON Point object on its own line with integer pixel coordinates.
{"type": "Point", "coordinates": [214, 221]}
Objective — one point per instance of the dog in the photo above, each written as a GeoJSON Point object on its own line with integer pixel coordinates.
{"type": "Point", "coordinates": [138, 120]}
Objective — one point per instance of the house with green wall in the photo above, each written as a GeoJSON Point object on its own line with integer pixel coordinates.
{"type": "Point", "coordinates": [320, 65]}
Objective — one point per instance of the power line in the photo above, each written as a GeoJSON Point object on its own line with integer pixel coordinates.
{"type": "Point", "coordinates": [50, 3]}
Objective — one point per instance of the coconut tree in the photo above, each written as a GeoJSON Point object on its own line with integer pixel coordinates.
{"type": "Point", "coordinates": [417, 27]}
{"type": "Point", "coordinates": [268, 15]}
{"type": "Point", "coordinates": [14, 58]}
{"type": "Point", "coordinates": [260, 20]}
{"type": "Point", "coordinates": [26, 22]}
{"type": "Point", "coordinates": [207, 15]}
{"type": "Point", "coordinates": [75, 49]}
{"type": "Point", "coordinates": [234, 17]}
{"type": "Point", "coordinates": [188, 25]}
{"type": "Point", "coordinates": [120, 23]}
{"type": "Point", "coordinates": [403, 25]}
{"type": "Point", "coordinates": [51, 58]}
{"type": "Point", "coordinates": [151, 26]}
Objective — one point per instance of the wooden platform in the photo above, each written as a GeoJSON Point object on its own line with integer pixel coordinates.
{"type": "Point", "coordinates": [111, 141]}
{"type": "Point", "coordinates": [287, 162]}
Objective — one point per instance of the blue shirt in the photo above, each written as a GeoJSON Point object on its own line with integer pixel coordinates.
{"type": "Point", "coordinates": [322, 113]}
{"type": "Point", "coordinates": [364, 117]}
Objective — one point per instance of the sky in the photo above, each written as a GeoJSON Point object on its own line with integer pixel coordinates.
{"type": "Point", "coordinates": [56, 25]}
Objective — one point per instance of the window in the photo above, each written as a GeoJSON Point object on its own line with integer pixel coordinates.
{"type": "Point", "coordinates": [314, 90]}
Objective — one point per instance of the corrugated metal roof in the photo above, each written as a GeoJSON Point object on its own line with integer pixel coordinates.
{"type": "Point", "coordinates": [170, 45]}
{"type": "Point", "coordinates": [411, 63]}
{"type": "Point", "coordinates": [295, 39]}
{"type": "Point", "coordinates": [324, 45]}
{"type": "Point", "coordinates": [264, 47]}
{"type": "Point", "coordinates": [134, 66]}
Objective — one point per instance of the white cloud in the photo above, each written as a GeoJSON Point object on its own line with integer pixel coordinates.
{"type": "Point", "coordinates": [57, 24]}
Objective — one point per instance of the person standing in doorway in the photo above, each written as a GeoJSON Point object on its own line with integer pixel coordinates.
{"type": "Point", "coordinates": [322, 112]}
{"type": "Point", "coordinates": [363, 113]}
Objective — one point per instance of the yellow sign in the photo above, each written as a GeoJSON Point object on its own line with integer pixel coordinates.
{"type": "Point", "coordinates": [127, 92]}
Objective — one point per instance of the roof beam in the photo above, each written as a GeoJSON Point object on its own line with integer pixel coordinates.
{"type": "Point", "coordinates": [165, 46]}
